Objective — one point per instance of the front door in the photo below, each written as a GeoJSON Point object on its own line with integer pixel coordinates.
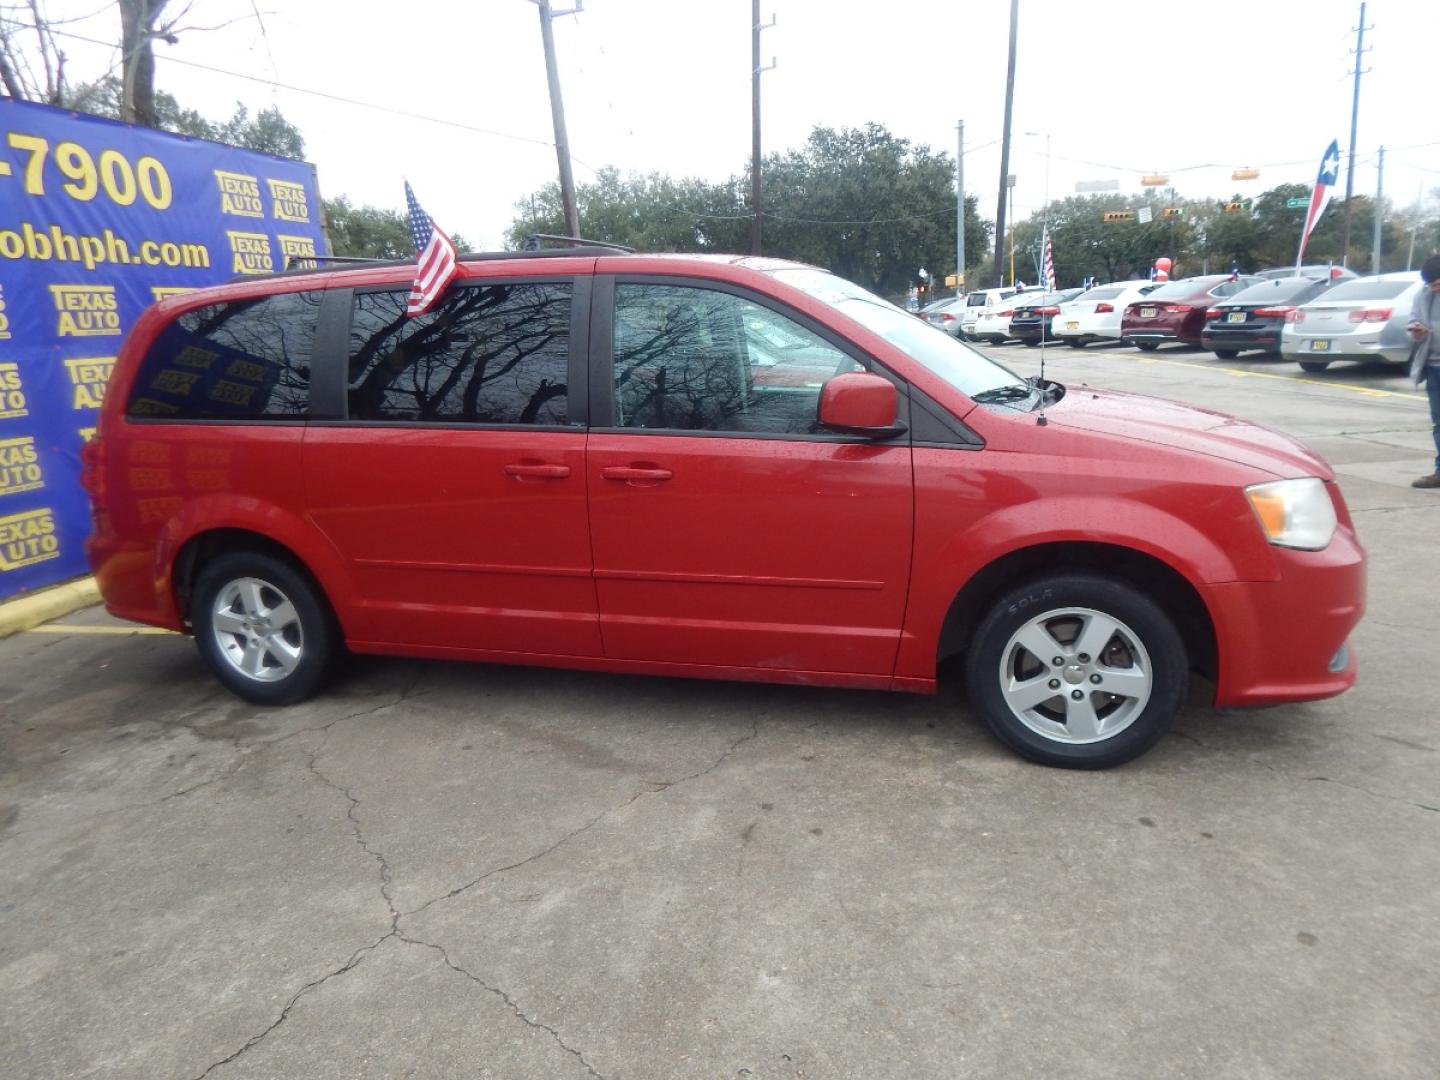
{"type": "Point", "coordinates": [455, 487]}
{"type": "Point", "coordinates": [728, 529]}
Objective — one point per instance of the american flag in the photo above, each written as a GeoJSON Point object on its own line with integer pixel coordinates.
{"type": "Point", "coordinates": [435, 258]}
{"type": "Point", "coordinates": [1049, 264]}
{"type": "Point", "coordinates": [1320, 197]}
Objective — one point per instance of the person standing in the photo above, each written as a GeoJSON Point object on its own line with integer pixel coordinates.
{"type": "Point", "coordinates": [1425, 363]}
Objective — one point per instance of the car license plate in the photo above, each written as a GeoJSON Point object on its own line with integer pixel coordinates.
{"type": "Point", "coordinates": [1147, 312]}
{"type": "Point", "coordinates": [1072, 324]}
{"type": "Point", "coordinates": [1235, 316]}
{"type": "Point", "coordinates": [1320, 345]}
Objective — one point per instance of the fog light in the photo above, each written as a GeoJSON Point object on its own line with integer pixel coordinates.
{"type": "Point", "coordinates": [1341, 660]}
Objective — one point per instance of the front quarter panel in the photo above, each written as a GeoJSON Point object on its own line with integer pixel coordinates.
{"type": "Point", "coordinates": [1036, 485]}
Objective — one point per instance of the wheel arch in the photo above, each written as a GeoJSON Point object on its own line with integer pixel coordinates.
{"type": "Point", "coordinates": [1176, 595]}
{"type": "Point", "coordinates": [209, 544]}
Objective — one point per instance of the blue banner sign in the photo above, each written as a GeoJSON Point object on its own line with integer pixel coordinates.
{"type": "Point", "coordinates": [98, 220]}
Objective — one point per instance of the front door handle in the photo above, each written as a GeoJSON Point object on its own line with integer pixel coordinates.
{"type": "Point", "coordinates": [538, 472]}
{"type": "Point", "coordinates": [635, 474]}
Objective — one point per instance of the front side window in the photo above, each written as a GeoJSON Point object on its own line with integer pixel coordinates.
{"type": "Point", "coordinates": [694, 359]}
{"type": "Point", "coordinates": [244, 360]}
{"type": "Point", "coordinates": [489, 354]}
{"type": "Point", "coordinates": [962, 367]}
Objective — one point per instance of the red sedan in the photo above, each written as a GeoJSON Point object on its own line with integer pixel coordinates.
{"type": "Point", "coordinates": [1176, 312]}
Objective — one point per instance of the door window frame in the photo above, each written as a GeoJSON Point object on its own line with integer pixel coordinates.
{"type": "Point", "coordinates": [601, 411]}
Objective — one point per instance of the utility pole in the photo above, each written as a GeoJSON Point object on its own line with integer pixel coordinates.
{"type": "Point", "coordinates": [960, 210]}
{"type": "Point", "coordinates": [755, 72]}
{"type": "Point", "coordinates": [557, 111]}
{"type": "Point", "coordinates": [1005, 152]}
{"type": "Point", "coordinates": [1354, 118]}
{"type": "Point", "coordinates": [1379, 209]}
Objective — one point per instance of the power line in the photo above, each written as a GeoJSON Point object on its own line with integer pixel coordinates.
{"type": "Point", "coordinates": [329, 96]}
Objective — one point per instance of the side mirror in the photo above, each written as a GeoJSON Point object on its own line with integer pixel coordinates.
{"type": "Point", "coordinates": [859, 403]}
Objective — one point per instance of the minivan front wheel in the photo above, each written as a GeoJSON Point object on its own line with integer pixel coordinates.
{"type": "Point", "coordinates": [263, 628]}
{"type": "Point", "coordinates": [1077, 671]}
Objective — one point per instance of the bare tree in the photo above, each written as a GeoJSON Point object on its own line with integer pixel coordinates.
{"type": "Point", "coordinates": [18, 22]}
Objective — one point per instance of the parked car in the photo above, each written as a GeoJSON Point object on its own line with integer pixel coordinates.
{"type": "Point", "coordinates": [1032, 320]}
{"type": "Point", "coordinates": [976, 304]}
{"type": "Point", "coordinates": [946, 315]}
{"type": "Point", "coordinates": [698, 466]}
{"type": "Point", "coordinates": [1363, 319]}
{"type": "Point", "coordinates": [993, 322]}
{"type": "Point", "coordinates": [1095, 315]}
{"type": "Point", "coordinates": [1253, 318]}
{"type": "Point", "coordinates": [1176, 310]}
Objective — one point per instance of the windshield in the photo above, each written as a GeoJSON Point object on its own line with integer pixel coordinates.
{"type": "Point", "coordinates": [959, 365]}
{"type": "Point", "coordinates": [1178, 290]}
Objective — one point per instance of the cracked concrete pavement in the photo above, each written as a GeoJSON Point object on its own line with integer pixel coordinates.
{"type": "Point", "coordinates": [442, 870]}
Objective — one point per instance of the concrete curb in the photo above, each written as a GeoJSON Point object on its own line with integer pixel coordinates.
{"type": "Point", "coordinates": [36, 608]}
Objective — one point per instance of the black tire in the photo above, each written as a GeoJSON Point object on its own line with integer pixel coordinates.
{"type": "Point", "coordinates": [1146, 346]}
{"type": "Point", "coordinates": [1314, 366]}
{"type": "Point", "coordinates": [1050, 601]}
{"type": "Point", "coordinates": [1030, 343]}
{"type": "Point", "coordinates": [312, 634]}
{"type": "Point", "coordinates": [1076, 343]}
{"type": "Point", "coordinates": [1226, 354]}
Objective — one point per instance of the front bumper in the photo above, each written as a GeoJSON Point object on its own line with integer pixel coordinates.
{"type": "Point", "coordinates": [1288, 640]}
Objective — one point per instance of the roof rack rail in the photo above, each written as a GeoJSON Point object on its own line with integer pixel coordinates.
{"type": "Point", "coordinates": [534, 241]}
{"type": "Point", "coordinates": [312, 262]}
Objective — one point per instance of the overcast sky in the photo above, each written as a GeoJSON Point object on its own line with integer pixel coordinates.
{"type": "Point", "coordinates": [1124, 87]}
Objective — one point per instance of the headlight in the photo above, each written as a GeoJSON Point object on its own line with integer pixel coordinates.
{"type": "Point", "coordinates": [1294, 513]}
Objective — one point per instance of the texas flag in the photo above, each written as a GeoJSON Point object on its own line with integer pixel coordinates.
{"type": "Point", "coordinates": [1324, 188]}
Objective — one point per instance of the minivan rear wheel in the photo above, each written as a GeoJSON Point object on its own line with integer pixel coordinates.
{"type": "Point", "coordinates": [1077, 671]}
{"type": "Point", "coordinates": [264, 628]}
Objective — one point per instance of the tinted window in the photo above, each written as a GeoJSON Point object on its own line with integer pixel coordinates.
{"type": "Point", "coordinates": [1367, 289]}
{"type": "Point", "coordinates": [1281, 291]}
{"type": "Point", "coordinates": [698, 360]}
{"type": "Point", "coordinates": [1179, 290]}
{"type": "Point", "coordinates": [1099, 294]}
{"type": "Point", "coordinates": [493, 354]}
{"type": "Point", "coordinates": [245, 360]}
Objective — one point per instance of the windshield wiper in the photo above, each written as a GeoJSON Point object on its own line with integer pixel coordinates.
{"type": "Point", "coordinates": [1003, 393]}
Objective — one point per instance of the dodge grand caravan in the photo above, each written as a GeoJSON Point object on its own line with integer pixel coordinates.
{"type": "Point", "coordinates": [722, 467]}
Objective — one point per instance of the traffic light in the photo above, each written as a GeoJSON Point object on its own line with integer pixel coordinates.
{"type": "Point", "coordinates": [1119, 215]}
{"type": "Point", "coordinates": [1237, 206]}
{"type": "Point", "coordinates": [1172, 212]}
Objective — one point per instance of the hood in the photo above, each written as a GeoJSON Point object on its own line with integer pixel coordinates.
{"type": "Point", "coordinates": [1200, 431]}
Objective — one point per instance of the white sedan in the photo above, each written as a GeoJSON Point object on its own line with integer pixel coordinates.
{"type": "Point", "coordinates": [976, 304]}
{"type": "Point", "coordinates": [1094, 315]}
{"type": "Point", "coordinates": [992, 323]}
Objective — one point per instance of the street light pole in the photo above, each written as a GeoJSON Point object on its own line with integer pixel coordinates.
{"type": "Point", "coordinates": [960, 210]}
{"type": "Point", "coordinates": [1005, 154]}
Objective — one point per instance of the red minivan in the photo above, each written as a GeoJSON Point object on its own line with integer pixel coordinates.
{"type": "Point", "coordinates": [720, 467]}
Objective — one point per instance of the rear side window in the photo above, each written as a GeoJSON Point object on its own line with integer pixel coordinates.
{"type": "Point", "coordinates": [245, 360]}
{"type": "Point", "coordinates": [491, 354]}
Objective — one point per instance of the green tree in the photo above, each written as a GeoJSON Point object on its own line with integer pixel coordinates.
{"type": "Point", "coordinates": [267, 131]}
{"type": "Point", "coordinates": [872, 207]}
{"type": "Point", "coordinates": [858, 201]}
{"type": "Point", "coordinates": [650, 212]}
{"type": "Point", "coordinates": [371, 232]}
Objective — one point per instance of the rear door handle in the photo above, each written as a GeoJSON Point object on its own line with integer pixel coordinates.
{"type": "Point", "coordinates": [538, 472]}
{"type": "Point", "coordinates": [635, 474]}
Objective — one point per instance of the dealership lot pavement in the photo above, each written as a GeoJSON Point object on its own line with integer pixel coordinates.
{"type": "Point", "coordinates": [442, 870]}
